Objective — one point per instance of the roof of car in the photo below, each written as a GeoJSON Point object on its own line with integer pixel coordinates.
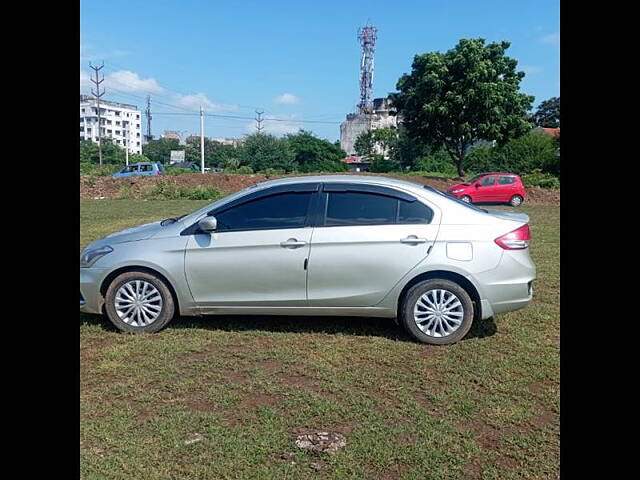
{"type": "Point", "coordinates": [339, 178]}
{"type": "Point", "coordinates": [498, 173]}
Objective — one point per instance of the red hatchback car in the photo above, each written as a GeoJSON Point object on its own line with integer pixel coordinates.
{"type": "Point", "coordinates": [491, 187]}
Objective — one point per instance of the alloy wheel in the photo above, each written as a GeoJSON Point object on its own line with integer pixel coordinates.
{"type": "Point", "coordinates": [438, 313]}
{"type": "Point", "coordinates": [138, 303]}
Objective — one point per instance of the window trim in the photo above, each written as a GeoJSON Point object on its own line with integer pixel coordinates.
{"type": "Point", "coordinates": [310, 187]}
{"type": "Point", "coordinates": [320, 219]}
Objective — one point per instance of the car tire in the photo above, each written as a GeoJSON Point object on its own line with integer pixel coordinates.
{"type": "Point", "coordinates": [466, 198]}
{"type": "Point", "coordinates": [139, 302]}
{"type": "Point", "coordinates": [516, 201]}
{"type": "Point", "coordinates": [443, 291]}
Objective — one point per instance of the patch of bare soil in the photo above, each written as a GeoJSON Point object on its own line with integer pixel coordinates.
{"type": "Point", "coordinates": [137, 187]}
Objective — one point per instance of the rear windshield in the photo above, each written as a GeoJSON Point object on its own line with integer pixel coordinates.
{"type": "Point", "coordinates": [454, 199]}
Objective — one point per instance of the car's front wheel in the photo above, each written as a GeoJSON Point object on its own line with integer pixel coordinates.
{"type": "Point", "coordinates": [516, 201]}
{"type": "Point", "coordinates": [437, 311]}
{"type": "Point", "coordinates": [139, 302]}
{"type": "Point", "coordinates": [466, 198]}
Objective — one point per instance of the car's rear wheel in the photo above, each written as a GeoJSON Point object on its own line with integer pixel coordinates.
{"type": "Point", "coordinates": [437, 311]}
{"type": "Point", "coordinates": [466, 198]}
{"type": "Point", "coordinates": [139, 302]}
{"type": "Point", "coordinates": [516, 201]}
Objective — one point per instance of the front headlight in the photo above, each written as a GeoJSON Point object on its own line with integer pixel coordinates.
{"type": "Point", "coordinates": [89, 257]}
{"type": "Point", "coordinates": [458, 190]}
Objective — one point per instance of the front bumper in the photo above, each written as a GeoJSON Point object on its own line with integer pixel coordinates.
{"type": "Point", "coordinates": [91, 299]}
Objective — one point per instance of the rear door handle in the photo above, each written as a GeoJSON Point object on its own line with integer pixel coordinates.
{"type": "Point", "coordinates": [293, 243]}
{"type": "Point", "coordinates": [413, 240]}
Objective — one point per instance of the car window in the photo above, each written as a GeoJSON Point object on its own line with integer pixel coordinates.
{"type": "Point", "coordinates": [487, 181]}
{"type": "Point", "coordinates": [285, 210]}
{"type": "Point", "coordinates": [506, 180]}
{"type": "Point", "coordinates": [359, 208]}
{"type": "Point", "coordinates": [129, 169]}
{"type": "Point", "coordinates": [414, 212]}
{"type": "Point", "coordinates": [146, 168]}
{"type": "Point", "coordinates": [354, 208]}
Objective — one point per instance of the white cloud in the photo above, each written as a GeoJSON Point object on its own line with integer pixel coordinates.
{"type": "Point", "coordinates": [130, 82]}
{"type": "Point", "coordinates": [277, 125]}
{"type": "Point", "coordinates": [89, 53]}
{"type": "Point", "coordinates": [530, 69]}
{"type": "Point", "coordinates": [195, 100]}
{"type": "Point", "coordinates": [286, 99]}
{"type": "Point", "coordinates": [551, 38]}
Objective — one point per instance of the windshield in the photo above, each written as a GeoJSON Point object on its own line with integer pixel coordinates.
{"type": "Point", "coordinates": [476, 178]}
{"type": "Point", "coordinates": [454, 199]}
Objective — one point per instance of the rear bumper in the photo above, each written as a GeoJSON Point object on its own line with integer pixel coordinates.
{"type": "Point", "coordinates": [91, 300]}
{"type": "Point", "coordinates": [508, 287]}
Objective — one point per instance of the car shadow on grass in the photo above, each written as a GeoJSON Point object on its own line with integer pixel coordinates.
{"type": "Point", "coordinates": [355, 326]}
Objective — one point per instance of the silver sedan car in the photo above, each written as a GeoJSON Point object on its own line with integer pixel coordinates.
{"type": "Point", "coordinates": [318, 245]}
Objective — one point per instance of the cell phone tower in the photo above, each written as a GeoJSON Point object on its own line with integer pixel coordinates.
{"type": "Point", "coordinates": [367, 36]}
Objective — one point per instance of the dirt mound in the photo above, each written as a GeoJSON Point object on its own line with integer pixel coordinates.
{"type": "Point", "coordinates": [136, 187]}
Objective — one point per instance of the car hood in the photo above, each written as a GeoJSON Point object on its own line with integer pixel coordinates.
{"type": "Point", "coordinates": [141, 232]}
{"type": "Point", "coordinates": [459, 185]}
{"type": "Point", "coordinates": [515, 216]}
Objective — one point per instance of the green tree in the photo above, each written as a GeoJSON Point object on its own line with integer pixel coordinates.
{"type": "Point", "coordinates": [364, 144]}
{"type": "Point", "coordinates": [536, 150]}
{"type": "Point", "coordinates": [160, 150]}
{"type": "Point", "coordinates": [548, 113]}
{"type": "Point", "coordinates": [261, 151]}
{"type": "Point", "coordinates": [467, 94]}
{"type": "Point", "coordinates": [313, 154]}
{"type": "Point", "coordinates": [111, 153]}
{"type": "Point", "coordinates": [215, 153]}
{"type": "Point", "coordinates": [385, 139]}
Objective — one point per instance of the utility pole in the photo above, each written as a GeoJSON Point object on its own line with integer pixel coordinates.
{"type": "Point", "coordinates": [126, 150]}
{"type": "Point", "coordinates": [201, 139]}
{"type": "Point", "coordinates": [259, 126]}
{"type": "Point", "coordinates": [97, 95]}
{"type": "Point", "coordinates": [147, 113]}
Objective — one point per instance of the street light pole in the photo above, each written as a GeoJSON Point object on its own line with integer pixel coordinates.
{"type": "Point", "coordinates": [201, 139]}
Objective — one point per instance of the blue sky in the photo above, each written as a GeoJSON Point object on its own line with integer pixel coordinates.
{"type": "Point", "coordinates": [296, 60]}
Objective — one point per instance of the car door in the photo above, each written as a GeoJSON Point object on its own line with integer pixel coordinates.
{"type": "Point", "coordinates": [505, 188]}
{"type": "Point", "coordinates": [486, 191]}
{"type": "Point", "coordinates": [130, 171]}
{"type": "Point", "coordinates": [366, 239]}
{"type": "Point", "coordinates": [257, 255]}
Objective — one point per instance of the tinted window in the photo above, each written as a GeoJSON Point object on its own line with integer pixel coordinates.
{"type": "Point", "coordinates": [414, 212]}
{"type": "Point", "coordinates": [506, 180]}
{"type": "Point", "coordinates": [286, 210]}
{"type": "Point", "coordinates": [352, 208]}
{"type": "Point", "coordinates": [488, 181]}
{"type": "Point", "coordinates": [146, 168]}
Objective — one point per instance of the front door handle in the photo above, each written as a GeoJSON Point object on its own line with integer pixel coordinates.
{"type": "Point", "coordinates": [413, 240]}
{"type": "Point", "coordinates": [293, 243]}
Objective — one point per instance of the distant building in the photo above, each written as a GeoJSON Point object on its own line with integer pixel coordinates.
{"type": "Point", "coordinates": [552, 132]}
{"type": "Point", "coordinates": [357, 164]}
{"type": "Point", "coordinates": [119, 121]}
{"type": "Point", "coordinates": [383, 115]}
{"type": "Point", "coordinates": [235, 142]}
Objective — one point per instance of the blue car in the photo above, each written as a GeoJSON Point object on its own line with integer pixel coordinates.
{"type": "Point", "coordinates": [135, 169]}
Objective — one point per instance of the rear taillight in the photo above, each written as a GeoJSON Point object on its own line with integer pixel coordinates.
{"type": "Point", "coordinates": [515, 240]}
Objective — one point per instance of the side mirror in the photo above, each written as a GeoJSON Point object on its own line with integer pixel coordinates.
{"type": "Point", "coordinates": [208, 224]}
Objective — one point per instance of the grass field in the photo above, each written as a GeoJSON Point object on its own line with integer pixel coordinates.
{"type": "Point", "coordinates": [486, 408]}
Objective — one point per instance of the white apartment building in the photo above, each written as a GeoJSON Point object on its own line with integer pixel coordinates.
{"type": "Point", "coordinates": [120, 121]}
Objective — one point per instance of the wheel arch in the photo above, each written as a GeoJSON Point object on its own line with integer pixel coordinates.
{"type": "Point", "coordinates": [461, 280]}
